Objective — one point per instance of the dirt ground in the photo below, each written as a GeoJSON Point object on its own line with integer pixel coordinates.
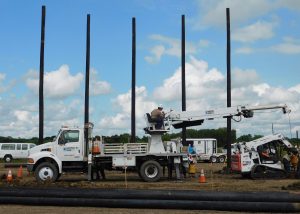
{"type": "Point", "coordinates": [215, 181]}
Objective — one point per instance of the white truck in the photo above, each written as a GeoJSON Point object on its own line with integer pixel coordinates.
{"type": "Point", "coordinates": [206, 149]}
{"type": "Point", "coordinates": [67, 151]}
{"type": "Point", "coordinates": [262, 158]}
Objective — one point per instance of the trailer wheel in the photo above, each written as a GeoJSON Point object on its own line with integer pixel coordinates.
{"type": "Point", "coordinates": [213, 159]}
{"type": "Point", "coordinates": [46, 172]}
{"type": "Point", "coordinates": [7, 158]}
{"type": "Point", "coordinates": [221, 159]}
{"type": "Point", "coordinates": [151, 171]}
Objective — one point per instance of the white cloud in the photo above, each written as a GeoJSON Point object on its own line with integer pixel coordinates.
{"type": "Point", "coordinates": [2, 76]}
{"type": "Point", "coordinates": [244, 78]}
{"type": "Point", "coordinates": [287, 48]}
{"type": "Point", "coordinates": [157, 52]}
{"type": "Point", "coordinates": [172, 47]}
{"type": "Point", "coordinates": [98, 87]}
{"type": "Point", "coordinates": [22, 115]}
{"type": "Point", "coordinates": [121, 121]}
{"type": "Point", "coordinates": [244, 50]}
{"type": "Point", "coordinates": [213, 12]}
{"type": "Point", "coordinates": [260, 89]}
{"type": "Point", "coordinates": [257, 31]}
{"type": "Point", "coordinates": [200, 81]}
{"type": "Point", "coordinates": [57, 84]}
{"type": "Point", "coordinates": [295, 88]}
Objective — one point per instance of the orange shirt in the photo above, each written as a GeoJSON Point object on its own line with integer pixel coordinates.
{"type": "Point", "coordinates": [294, 160]}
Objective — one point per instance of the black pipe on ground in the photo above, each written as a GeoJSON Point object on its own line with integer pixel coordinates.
{"type": "Point", "coordinates": [156, 204]}
{"type": "Point", "coordinates": [188, 195]}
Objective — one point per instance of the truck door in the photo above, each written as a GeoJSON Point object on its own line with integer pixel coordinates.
{"type": "Point", "coordinates": [68, 146]}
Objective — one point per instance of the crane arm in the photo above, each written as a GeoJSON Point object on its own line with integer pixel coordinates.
{"type": "Point", "coordinates": [194, 118]}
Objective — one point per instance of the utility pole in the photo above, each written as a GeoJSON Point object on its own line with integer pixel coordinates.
{"type": "Point", "coordinates": [183, 92]}
{"type": "Point", "coordinates": [229, 140]}
{"type": "Point", "coordinates": [41, 83]}
{"type": "Point", "coordinates": [133, 80]}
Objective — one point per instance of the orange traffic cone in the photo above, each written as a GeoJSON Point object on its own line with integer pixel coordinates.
{"type": "Point", "coordinates": [9, 177]}
{"type": "Point", "coordinates": [20, 172]}
{"type": "Point", "coordinates": [202, 178]}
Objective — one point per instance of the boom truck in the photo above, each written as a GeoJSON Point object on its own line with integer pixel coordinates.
{"type": "Point", "coordinates": [262, 158]}
{"type": "Point", "coordinates": [67, 152]}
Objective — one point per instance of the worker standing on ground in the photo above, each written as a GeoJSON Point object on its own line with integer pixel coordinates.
{"type": "Point", "coordinates": [99, 167]}
{"type": "Point", "coordinates": [192, 160]}
{"type": "Point", "coordinates": [294, 160]}
{"type": "Point", "coordinates": [158, 116]}
{"type": "Point", "coordinates": [286, 162]}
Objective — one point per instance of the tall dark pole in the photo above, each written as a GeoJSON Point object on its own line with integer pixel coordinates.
{"type": "Point", "coordinates": [133, 83]}
{"type": "Point", "coordinates": [297, 139]}
{"type": "Point", "coordinates": [228, 89]}
{"type": "Point", "coordinates": [41, 85]}
{"type": "Point", "coordinates": [87, 83]}
{"type": "Point", "coordinates": [183, 74]}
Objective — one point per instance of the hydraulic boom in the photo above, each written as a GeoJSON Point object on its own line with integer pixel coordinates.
{"type": "Point", "coordinates": [194, 118]}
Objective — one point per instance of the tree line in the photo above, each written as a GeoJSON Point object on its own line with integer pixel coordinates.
{"type": "Point", "coordinates": [220, 134]}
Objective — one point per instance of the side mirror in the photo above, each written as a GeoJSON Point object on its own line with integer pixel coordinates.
{"type": "Point", "coordinates": [61, 141]}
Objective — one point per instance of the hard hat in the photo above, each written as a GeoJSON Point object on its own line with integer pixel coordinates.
{"type": "Point", "coordinates": [160, 106]}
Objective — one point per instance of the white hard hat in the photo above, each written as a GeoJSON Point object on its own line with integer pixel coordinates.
{"type": "Point", "coordinates": [160, 106]}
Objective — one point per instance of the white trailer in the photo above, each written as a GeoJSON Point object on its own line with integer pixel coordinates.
{"type": "Point", "coordinates": [206, 149]}
{"type": "Point", "coordinates": [68, 150]}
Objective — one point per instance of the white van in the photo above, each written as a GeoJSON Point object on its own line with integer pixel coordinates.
{"type": "Point", "coordinates": [9, 151]}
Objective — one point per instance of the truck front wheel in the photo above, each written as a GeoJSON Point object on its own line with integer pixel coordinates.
{"type": "Point", "coordinates": [46, 172]}
{"type": "Point", "coordinates": [151, 171]}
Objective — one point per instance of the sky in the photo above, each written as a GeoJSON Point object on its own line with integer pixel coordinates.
{"type": "Point", "coordinates": [265, 53]}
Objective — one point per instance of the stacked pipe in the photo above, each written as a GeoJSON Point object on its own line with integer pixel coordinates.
{"type": "Point", "coordinates": [280, 202]}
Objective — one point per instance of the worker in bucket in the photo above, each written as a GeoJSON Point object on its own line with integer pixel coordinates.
{"type": "Point", "coordinates": [158, 116]}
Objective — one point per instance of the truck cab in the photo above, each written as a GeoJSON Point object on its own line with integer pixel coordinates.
{"type": "Point", "coordinates": [65, 153]}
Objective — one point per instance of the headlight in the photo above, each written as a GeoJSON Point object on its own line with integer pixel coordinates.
{"type": "Point", "coordinates": [46, 150]}
{"type": "Point", "coordinates": [30, 160]}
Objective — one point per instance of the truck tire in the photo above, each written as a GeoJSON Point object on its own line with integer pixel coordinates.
{"type": "Point", "coordinates": [151, 171]}
{"type": "Point", "coordinates": [8, 158]}
{"type": "Point", "coordinates": [221, 159]}
{"type": "Point", "coordinates": [213, 159]}
{"type": "Point", "coordinates": [46, 172]}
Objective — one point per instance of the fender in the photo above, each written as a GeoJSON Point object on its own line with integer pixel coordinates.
{"type": "Point", "coordinates": [45, 154]}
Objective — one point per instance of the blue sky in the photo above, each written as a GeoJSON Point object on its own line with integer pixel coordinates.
{"type": "Point", "coordinates": [265, 64]}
